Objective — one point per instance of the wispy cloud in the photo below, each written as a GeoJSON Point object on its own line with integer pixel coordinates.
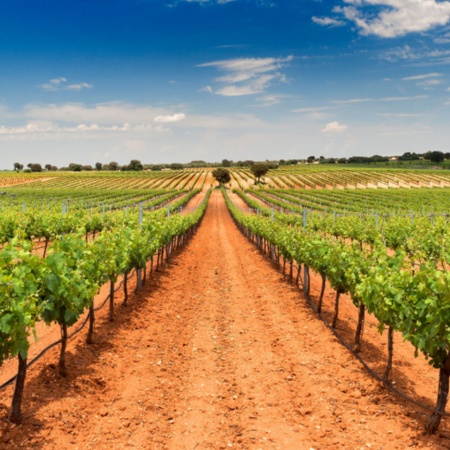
{"type": "Point", "coordinates": [61, 84]}
{"type": "Point", "coordinates": [328, 21]}
{"type": "Point", "coordinates": [247, 76]}
{"type": "Point", "coordinates": [352, 100]}
{"type": "Point", "coordinates": [394, 18]}
{"type": "Point", "coordinates": [313, 109]}
{"type": "Point", "coordinates": [398, 115]}
{"type": "Point", "coordinates": [403, 99]}
{"type": "Point", "coordinates": [271, 99]}
{"type": "Point", "coordinates": [384, 99]}
{"type": "Point", "coordinates": [334, 127]}
{"type": "Point", "coordinates": [423, 76]}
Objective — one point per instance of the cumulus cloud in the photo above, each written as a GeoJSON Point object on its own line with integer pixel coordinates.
{"type": "Point", "coordinates": [78, 121]}
{"type": "Point", "coordinates": [328, 21]}
{"type": "Point", "coordinates": [394, 18]}
{"type": "Point", "coordinates": [247, 76]}
{"type": "Point", "coordinates": [170, 119]}
{"type": "Point", "coordinates": [334, 127]}
{"type": "Point", "coordinates": [61, 84]}
{"type": "Point", "coordinates": [37, 128]}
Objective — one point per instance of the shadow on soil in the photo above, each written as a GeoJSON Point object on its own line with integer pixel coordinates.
{"type": "Point", "coordinates": [48, 386]}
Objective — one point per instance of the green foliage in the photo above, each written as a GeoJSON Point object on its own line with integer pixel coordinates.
{"type": "Point", "coordinates": [259, 170]}
{"type": "Point", "coordinates": [222, 175]}
{"type": "Point", "coordinates": [20, 274]}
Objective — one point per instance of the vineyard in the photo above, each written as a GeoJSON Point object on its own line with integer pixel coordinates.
{"type": "Point", "coordinates": [364, 256]}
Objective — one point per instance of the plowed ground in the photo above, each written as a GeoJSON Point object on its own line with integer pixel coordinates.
{"type": "Point", "coordinates": [218, 351]}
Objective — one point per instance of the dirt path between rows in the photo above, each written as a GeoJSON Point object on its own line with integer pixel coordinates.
{"type": "Point", "coordinates": [217, 352]}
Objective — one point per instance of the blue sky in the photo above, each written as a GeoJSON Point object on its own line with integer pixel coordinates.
{"type": "Point", "coordinates": [179, 80]}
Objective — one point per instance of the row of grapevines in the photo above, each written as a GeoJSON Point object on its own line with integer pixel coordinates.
{"type": "Point", "coordinates": [60, 287]}
{"type": "Point", "coordinates": [414, 302]}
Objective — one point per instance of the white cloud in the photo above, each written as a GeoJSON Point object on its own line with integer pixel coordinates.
{"type": "Point", "coordinates": [334, 127]}
{"type": "Point", "coordinates": [328, 21]}
{"type": "Point", "coordinates": [430, 83]}
{"type": "Point", "coordinates": [247, 76]}
{"type": "Point", "coordinates": [423, 76]}
{"type": "Point", "coordinates": [352, 100]}
{"type": "Point", "coordinates": [271, 99]}
{"type": "Point", "coordinates": [105, 121]}
{"type": "Point", "coordinates": [403, 99]}
{"type": "Point", "coordinates": [102, 113]}
{"type": "Point", "coordinates": [396, 17]}
{"type": "Point", "coordinates": [312, 110]}
{"type": "Point", "coordinates": [32, 128]}
{"type": "Point", "coordinates": [170, 119]}
{"type": "Point", "coordinates": [398, 115]}
{"type": "Point", "coordinates": [60, 84]}
{"type": "Point", "coordinates": [79, 86]}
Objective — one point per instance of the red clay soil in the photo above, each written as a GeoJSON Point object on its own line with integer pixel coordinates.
{"type": "Point", "coordinates": [219, 351]}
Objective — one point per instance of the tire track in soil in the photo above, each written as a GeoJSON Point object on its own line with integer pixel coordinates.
{"type": "Point", "coordinates": [219, 352]}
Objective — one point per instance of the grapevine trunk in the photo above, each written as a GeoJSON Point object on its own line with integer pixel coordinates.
{"type": "Point", "coordinates": [15, 411]}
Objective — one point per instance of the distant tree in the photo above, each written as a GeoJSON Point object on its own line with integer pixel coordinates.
{"type": "Point", "coordinates": [74, 167]}
{"type": "Point", "coordinates": [358, 160]}
{"type": "Point", "coordinates": [53, 168]}
{"type": "Point", "coordinates": [408, 156]}
{"type": "Point", "coordinates": [48, 167]}
{"type": "Point", "coordinates": [435, 157]}
{"type": "Point", "coordinates": [98, 166]}
{"type": "Point", "coordinates": [447, 155]}
{"type": "Point", "coordinates": [176, 166]}
{"type": "Point", "coordinates": [259, 170]}
{"type": "Point", "coordinates": [135, 165]}
{"type": "Point", "coordinates": [113, 166]}
{"type": "Point", "coordinates": [88, 168]}
{"type": "Point", "coordinates": [18, 166]}
{"type": "Point", "coordinates": [35, 167]}
{"type": "Point", "coordinates": [156, 168]}
{"type": "Point", "coordinates": [226, 163]}
{"type": "Point", "coordinates": [378, 158]}
{"type": "Point", "coordinates": [342, 161]}
{"type": "Point", "coordinates": [311, 159]}
{"type": "Point", "coordinates": [222, 175]}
